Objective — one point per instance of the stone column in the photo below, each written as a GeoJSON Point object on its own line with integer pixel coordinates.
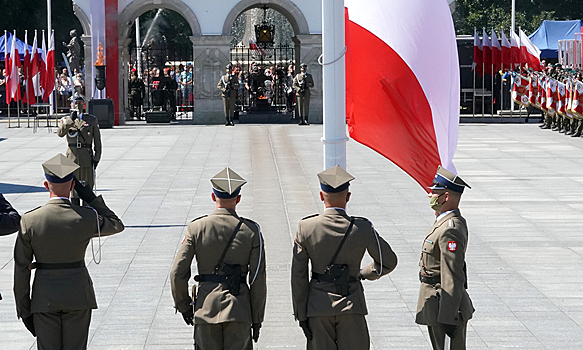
{"type": "Point", "coordinates": [211, 55]}
{"type": "Point", "coordinates": [88, 61]}
{"type": "Point", "coordinates": [310, 49]}
{"type": "Point", "coordinates": [124, 56]}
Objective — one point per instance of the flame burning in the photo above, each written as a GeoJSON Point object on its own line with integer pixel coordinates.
{"type": "Point", "coordinates": [100, 56]}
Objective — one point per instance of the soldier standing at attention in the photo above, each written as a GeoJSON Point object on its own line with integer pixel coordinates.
{"type": "Point", "coordinates": [444, 305]}
{"type": "Point", "coordinates": [302, 84]}
{"type": "Point", "coordinates": [229, 251]}
{"type": "Point", "coordinates": [55, 236]}
{"type": "Point", "coordinates": [228, 85]}
{"type": "Point", "coordinates": [84, 141]}
{"type": "Point", "coordinates": [331, 307]}
{"type": "Point", "coordinates": [137, 93]}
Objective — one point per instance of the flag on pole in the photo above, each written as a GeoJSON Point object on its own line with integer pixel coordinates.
{"type": "Point", "coordinates": [253, 46]}
{"type": "Point", "coordinates": [49, 83]}
{"type": "Point", "coordinates": [496, 51]}
{"type": "Point", "coordinates": [7, 66]}
{"type": "Point", "coordinates": [408, 110]}
{"type": "Point", "coordinates": [515, 50]}
{"type": "Point", "coordinates": [487, 52]}
{"type": "Point", "coordinates": [533, 90]}
{"type": "Point", "coordinates": [577, 104]}
{"type": "Point", "coordinates": [35, 67]}
{"type": "Point", "coordinates": [542, 93]}
{"type": "Point", "coordinates": [506, 57]}
{"type": "Point", "coordinates": [552, 97]}
{"type": "Point", "coordinates": [478, 59]}
{"type": "Point", "coordinates": [43, 66]}
{"type": "Point", "coordinates": [29, 96]}
{"type": "Point", "coordinates": [561, 93]}
{"type": "Point", "coordinates": [529, 52]}
{"type": "Point", "coordinates": [520, 90]}
{"type": "Point", "coordinates": [13, 86]}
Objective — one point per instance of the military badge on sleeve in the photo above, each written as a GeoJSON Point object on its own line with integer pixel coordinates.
{"type": "Point", "coordinates": [452, 246]}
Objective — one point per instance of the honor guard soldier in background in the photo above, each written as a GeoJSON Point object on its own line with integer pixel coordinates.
{"type": "Point", "coordinates": [137, 93]}
{"type": "Point", "coordinates": [228, 85]}
{"type": "Point", "coordinates": [84, 141]}
{"type": "Point", "coordinates": [53, 239]}
{"type": "Point", "coordinates": [302, 84]}
{"type": "Point", "coordinates": [229, 251]}
{"type": "Point", "coordinates": [331, 307]}
{"type": "Point", "coordinates": [444, 305]}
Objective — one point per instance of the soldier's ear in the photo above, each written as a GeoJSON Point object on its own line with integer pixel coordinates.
{"type": "Point", "coordinates": [348, 196]}
{"type": "Point", "coordinates": [46, 185]}
{"type": "Point", "coordinates": [238, 199]}
{"type": "Point", "coordinates": [321, 196]}
{"type": "Point", "coordinates": [213, 197]}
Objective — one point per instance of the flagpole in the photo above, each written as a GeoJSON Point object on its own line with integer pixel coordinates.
{"type": "Point", "coordinates": [513, 15]}
{"type": "Point", "coordinates": [483, 87]}
{"type": "Point", "coordinates": [334, 83]}
{"type": "Point", "coordinates": [26, 77]}
{"type": "Point", "coordinates": [474, 93]}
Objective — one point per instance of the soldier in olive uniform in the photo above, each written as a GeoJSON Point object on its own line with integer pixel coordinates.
{"type": "Point", "coordinates": [55, 236]}
{"type": "Point", "coordinates": [331, 307]}
{"type": "Point", "coordinates": [84, 141]}
{"type": "Point", "coordinates": [229, 251]}
{"type": "Point", "coordinates": [302, 84]}
{"type": "Point", "coordinates": [228, 85]}
{"type": "Point", "coordinates": [444, 305]}
{"type": "Point", "coordinates": [137, 93]}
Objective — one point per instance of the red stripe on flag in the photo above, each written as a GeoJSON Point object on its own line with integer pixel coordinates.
{"type": "Point", "coordinates": [387, 109]}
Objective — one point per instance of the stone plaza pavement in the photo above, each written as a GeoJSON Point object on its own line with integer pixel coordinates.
{"type": "Point", "coordinates": [524, 213]}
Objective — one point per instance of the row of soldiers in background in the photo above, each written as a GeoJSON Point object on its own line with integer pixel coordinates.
{"type": "Point", "coordinates": [557, 92]}
{"type": "Point", "coordinates": [266, 85]}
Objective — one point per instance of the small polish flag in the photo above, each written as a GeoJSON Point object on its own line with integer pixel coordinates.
{"type": "Point", "coordinates": [253, 46]}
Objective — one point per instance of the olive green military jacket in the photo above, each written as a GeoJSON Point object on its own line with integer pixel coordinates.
{"type": "Point", "coordinates": [206, 239]}
{"type": "Point", "coordinates": [228, 85]}
{"type": "Point", "coordinates": [443, 254]}
{"type": "Point", "coordinates": [306, 80]}
{"type": "Point", "coordinates": [84, 130]}
{"type": "Point", "coordinates": [58, 232]}
{"type": "Point", "coordinates": [317, 239]}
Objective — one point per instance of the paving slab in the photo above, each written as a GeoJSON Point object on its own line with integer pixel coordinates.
{"type": "Point", "coordinates": [524, 213]}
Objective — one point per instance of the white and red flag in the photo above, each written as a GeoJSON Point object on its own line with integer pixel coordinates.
{"type": "Point", "coordinates": [529, 52]}
{"type": "Point", "coordinates": [515, 55]}
{"type": "Point", "coordinates": [552, 96]}
{"type": "Point", "coordinates": [49, 81]}
{"type": "Point", "coordinates": [35, 66]}
{"type": "Point", "coordinates": [29, 96]}
{"type": "Point", "coordinates": [561, 101]}
{"type": "Point", "coordinates": [520, 90]}
{"type": "Point", "coordinates": [478, 54]}
{"type": "Point", "coordinates": [506, 57]}
{"type": "Point", "coordinates": [407, 107]}
{"type": "Point", "coordinates": [13, 80]}
{"type": "Point", "coordinates": [533, 90]}
{"type": "Point", "coordinates": [577, 104]}
{"type": "Point", "coordinates": [253, 46]}
{"type": "Point", "coordinates": [487, 52]}
{"type": "Point", "coordinates": [43, 65]}
{"type": "Point", "coordinates": [496, 52]}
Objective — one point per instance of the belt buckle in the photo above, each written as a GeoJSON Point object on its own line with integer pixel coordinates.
{"type": "Point", "coordinates": [78, 144]}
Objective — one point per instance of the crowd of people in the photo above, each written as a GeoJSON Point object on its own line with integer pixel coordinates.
{"type": "Point", "coordinates": [66, 86]}
{"type": "Point", "coordinates": [557, 92]}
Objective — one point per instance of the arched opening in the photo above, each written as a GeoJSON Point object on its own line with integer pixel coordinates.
{"type": "Point", "coordinates": [263, 54]}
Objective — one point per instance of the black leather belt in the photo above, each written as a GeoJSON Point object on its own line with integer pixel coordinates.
{"type": "Point", "coordinates": [81, 145]}
{"type": "Point", "coordinates": [60, 266]}
{"type": "Point", "coordinates": [216, 278]}
{"type": "Point", "coordinates": [433, 280]}
{"type": "Point", "coordinates": [321, 277]}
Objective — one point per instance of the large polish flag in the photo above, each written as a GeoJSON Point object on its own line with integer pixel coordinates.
{"type": "Point", "coordinates": [49, 82]}
{"type": "Point", "coordinates": [515, 55]}
{"type": "Point", "coordinates": [403, 91]}
{"type": "Point", "coordinates": [506, 55]}
{"type": "Point", "coordinates": [478, 55]}
{"type": "Point", "coordinates": [496, 52]}
{"type": "Point", "coordinates": [13, 83]}
{"type": "Point", "coordinates": [487, 51]}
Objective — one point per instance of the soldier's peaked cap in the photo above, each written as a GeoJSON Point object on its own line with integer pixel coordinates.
{"type": "Point", "coordinates": [445, 179]}
{"type": "Point", "coordinates": [303, 65]}
{"type": "Point", "coordinates": [334, 179]}
{"type": "Point", "coordinates": [227, 184]}
{"type": "Point", "coordinates": [59, 169]}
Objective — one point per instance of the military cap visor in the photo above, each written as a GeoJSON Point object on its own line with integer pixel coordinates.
{"type": "Point", "coordinates": [59, 169]}
{"type": "Point", "coordinates": [227, 184]}
{"type": "Point", "coordinates": [334, 180]}
{"type": "Point", "coordinates": [445, 179]}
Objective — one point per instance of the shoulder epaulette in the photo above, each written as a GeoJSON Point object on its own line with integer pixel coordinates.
{"type": "Point", "coordinates": [31, 210]}
{"type": "Point", "coordinates": [200, 217]}
{"type": "Point", "coordinates": [310, 216]}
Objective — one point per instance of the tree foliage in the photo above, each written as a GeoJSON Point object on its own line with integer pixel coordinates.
{"type": "Point", "coordinates": [31, 15]}
{"type": "Point", "coordinates": [496, 14]}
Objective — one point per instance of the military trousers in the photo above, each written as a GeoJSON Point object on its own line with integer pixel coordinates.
{"type": "Point", "coordinates": [62, 330]}
{"type": "Point", "coordinates": [340, 332]}
{"type": "Point", "coordinates": [223, 336]}
{"type": "Point", "coordinates": [303, 106]}
{"type": "Point", "coordinates": [437, 336]}
{"type": "Point", "coordinates": [229, 107]}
